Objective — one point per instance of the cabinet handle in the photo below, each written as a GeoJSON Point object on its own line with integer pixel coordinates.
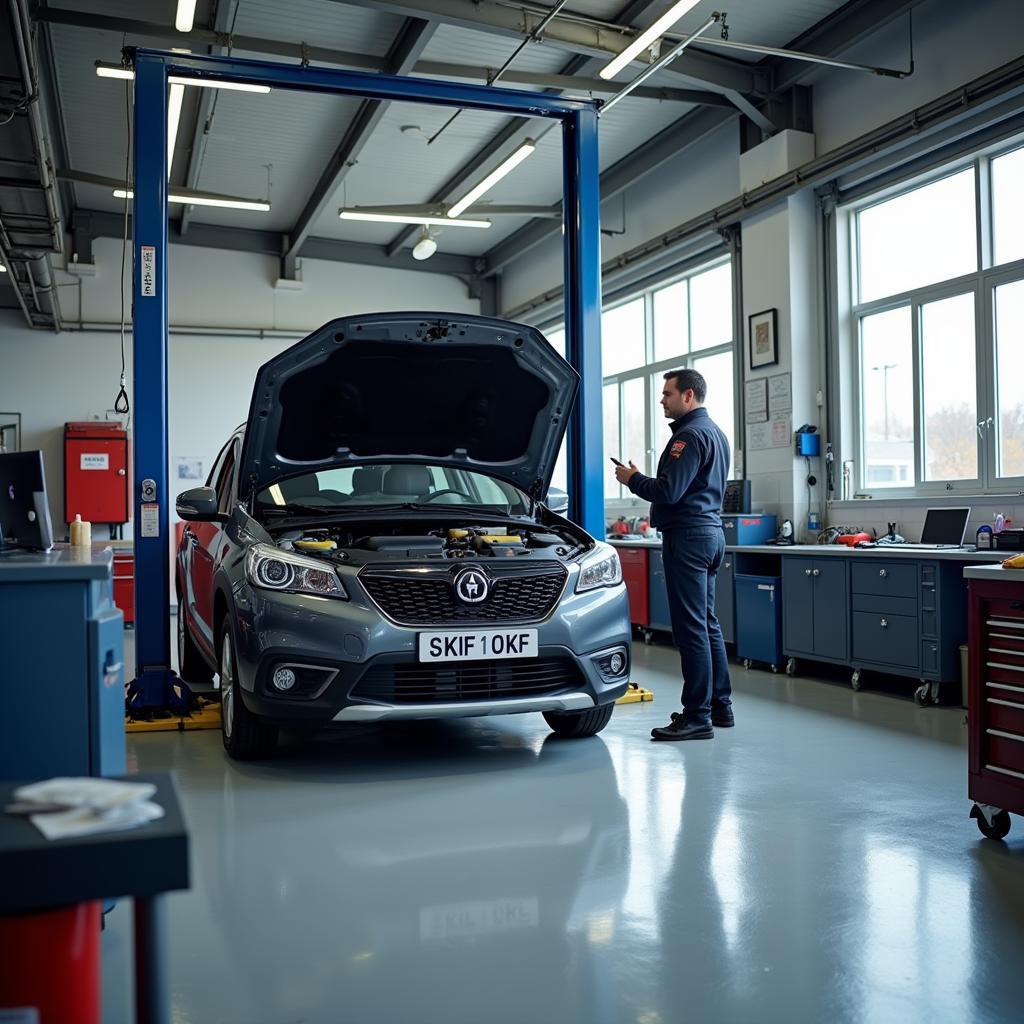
{"type": "Point", "coordinates": [883, 572]}
{"type": "Point", "coordinates": [807, 572]}
{"type": "Point", "coordinates": [766, 586]}
{"type": "Point", "coordinates": [817, 572]}
{"type": "Point", "coordinates": [884, 623]}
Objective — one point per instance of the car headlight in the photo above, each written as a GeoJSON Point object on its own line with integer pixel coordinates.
{"type": "Point", "coordinates": [273, 569]}
{"type": "Point", "coordinates": [601, 568]}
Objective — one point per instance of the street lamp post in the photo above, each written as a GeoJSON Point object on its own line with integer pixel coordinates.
{"type": "Point", "coordinates": [885, 391]}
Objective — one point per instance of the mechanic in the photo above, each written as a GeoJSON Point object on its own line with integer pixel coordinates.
{"type": "Point", "coordinates": [686, 502]}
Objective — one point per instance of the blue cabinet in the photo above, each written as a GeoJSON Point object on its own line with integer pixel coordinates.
{"type": "Point", "coordinates": [657, 594]}
{"type": "Point", "coordinates": [759, 618]}
{"type": "Point", "coordinates": [816, 613]}
{"type": "Point", "coordinates": [62, 691]}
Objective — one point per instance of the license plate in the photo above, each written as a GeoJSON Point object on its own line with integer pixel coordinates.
{"type": "Point", "coordinates": [478, 645]}
{"type": "Point", "coordinates": [462, 920]}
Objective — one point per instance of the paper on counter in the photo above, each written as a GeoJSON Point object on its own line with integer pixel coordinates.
{"type": "Point", "coordinates": [82, 821]}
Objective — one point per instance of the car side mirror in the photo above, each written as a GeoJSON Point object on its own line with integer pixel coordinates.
{"type": "Point", "coordinates": [557, 500]}
{"type": "Point", "coordinates": [198, 505]}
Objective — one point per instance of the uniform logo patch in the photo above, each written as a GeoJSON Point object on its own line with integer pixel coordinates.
{"type": "Point", "coordinates": [677, 449]}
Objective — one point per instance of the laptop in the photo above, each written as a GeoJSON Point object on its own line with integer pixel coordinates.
{"type": "Point", "coordinates": [943, 528]}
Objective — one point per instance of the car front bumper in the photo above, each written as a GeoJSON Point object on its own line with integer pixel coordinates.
{"type": "Point", "coordinates": [344, 645]}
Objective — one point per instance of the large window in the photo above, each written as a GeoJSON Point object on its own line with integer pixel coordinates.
{"type": "Point", "coordinates": [938, 286]}
{"type": "Point", "coordinates": [687, 323]}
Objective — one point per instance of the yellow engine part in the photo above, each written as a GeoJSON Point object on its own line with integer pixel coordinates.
{"type": "Point", "coordinates": [457, 534]}
{"type": "Point", "coordinates": [499, 539]}
{"type": "Point", "coordinates": [314, 545]}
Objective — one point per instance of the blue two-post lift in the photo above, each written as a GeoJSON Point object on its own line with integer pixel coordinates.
{"type": "Point", "coordinates": [154, 679]}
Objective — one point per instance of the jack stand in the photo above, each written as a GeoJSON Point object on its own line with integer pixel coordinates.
{"type": "Point", "coordinates": [635, 695]}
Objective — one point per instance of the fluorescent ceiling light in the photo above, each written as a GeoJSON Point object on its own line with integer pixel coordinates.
{"type": "Point", "coordinates": [645, 39]}
{"type": "Point", "coordinates": [425, 247]}
{"type": "Point", "coordinates": [493, 178]}
{"type": "Point", "coordinates": [185, 16]}
{"type": "Point", "coordinates": [204, 200]}
{"type": "Point", "coordinates": [175, 95]}
{"type": "Point", "coordinates": [3, 269]}
{"type": "Point", "coordinates": [116, 71]}
{"type": "Point", "coordinates": [396, 218]}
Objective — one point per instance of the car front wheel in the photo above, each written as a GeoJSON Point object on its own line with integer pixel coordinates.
{"type": "Point", "coordinates": [245, 736]}
{"type": "Point", "coordinates": [575, 724]}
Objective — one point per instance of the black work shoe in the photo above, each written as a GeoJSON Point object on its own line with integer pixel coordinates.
{"type": "Point", "coordinates": [679, 729]}
{"type": "Point", "coordinates": [722, 716]}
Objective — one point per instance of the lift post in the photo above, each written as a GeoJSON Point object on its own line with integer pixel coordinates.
{"type": "Point", "coordinates": [155, 684]}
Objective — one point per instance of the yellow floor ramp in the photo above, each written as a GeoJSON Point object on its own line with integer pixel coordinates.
{"type": "Point", "coordinates": [206, 717]}
{"type": "Point", "coordinates": [635, 694]}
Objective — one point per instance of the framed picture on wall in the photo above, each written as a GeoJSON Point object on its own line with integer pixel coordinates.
{"type": "Point", "coordinates": [764, 333]}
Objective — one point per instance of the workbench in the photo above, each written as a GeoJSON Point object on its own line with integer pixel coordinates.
{"type": "Point", "coordinates": [62, 680]}
{"type": "Point", "coordinates": [881, 609]}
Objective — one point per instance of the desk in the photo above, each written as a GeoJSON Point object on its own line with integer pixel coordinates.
{"type": "Point", "coordinates": [144, 863]}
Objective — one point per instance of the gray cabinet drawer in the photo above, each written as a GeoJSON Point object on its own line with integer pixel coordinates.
{"type": "Point", "coordinates": [885, 639]}
{"type": "Point", "coordinates": [894, 579]}
{"type": "Point", "coordinates": [929, 657]}
{"type": "Point", "coordinates": [883, 605]}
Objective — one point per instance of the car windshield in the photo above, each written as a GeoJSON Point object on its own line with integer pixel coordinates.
{"type": "Point", "coordinates": [349, 488]}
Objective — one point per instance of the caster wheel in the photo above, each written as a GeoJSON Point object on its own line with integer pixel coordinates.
{"type": "Point", "coordinates": [998, 829]}
{"type": "Point", "coordinates": [922, 696]}
{"type": "Point", "coordinates": [791, 667]}
{"type": "Point", "coordinates": [746, 663]}
{"type": "Point", "coordinates": [775, 668]}
{"type": "Point", "coordinates": [855, 680]}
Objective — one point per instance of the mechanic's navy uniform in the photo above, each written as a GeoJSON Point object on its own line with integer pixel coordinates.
{"type": "Point", "coordinates": [686, 502]}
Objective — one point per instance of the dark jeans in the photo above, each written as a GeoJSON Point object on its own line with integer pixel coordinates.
{"type": "Point", "coordinates": [693, 556]}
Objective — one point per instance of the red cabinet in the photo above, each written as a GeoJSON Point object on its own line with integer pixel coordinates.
{"type": "Point", "coordinates": [124, 583]}
{"type": "Point", "coordinates": [96, 472]}
{"type": "Point", "coordinates": [995, 699]}
{"type": "Point", "coordinates": [634, 574]}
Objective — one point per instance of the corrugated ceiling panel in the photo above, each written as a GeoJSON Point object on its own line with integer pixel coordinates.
{"type": "Point", "coordinates": [465, 46]}
{"type": "Point", "coordinates": [320, 23]}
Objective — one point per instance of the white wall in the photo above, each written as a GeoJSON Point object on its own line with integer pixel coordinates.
{"type": "Point", "coordinates": [55, 378]}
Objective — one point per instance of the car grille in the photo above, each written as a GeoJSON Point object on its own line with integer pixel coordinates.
{"type": "Point", "coordinates": [431, 601]}
{"type": "Point", "coordinates": [480, 681]}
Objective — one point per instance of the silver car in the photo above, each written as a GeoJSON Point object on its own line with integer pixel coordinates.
{"type": "Point", "coordinates": [374, 544]}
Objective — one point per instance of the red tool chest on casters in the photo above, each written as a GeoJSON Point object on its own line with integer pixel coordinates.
{"type": "Point", "coordinates": [96, 472]}
{"type": "Point", "coordinates": [996, 701]}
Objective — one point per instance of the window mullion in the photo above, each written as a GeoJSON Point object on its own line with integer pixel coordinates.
{"type": "Point", "coordinates": [917, 356]}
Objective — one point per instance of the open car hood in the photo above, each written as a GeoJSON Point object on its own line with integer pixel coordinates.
{"type": "Point", "coordinates": [472, 392]}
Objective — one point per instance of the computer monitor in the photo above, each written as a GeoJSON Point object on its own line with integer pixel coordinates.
{"type": "Point", "coordinates": [945, 526]}
{"type": "Point", "coordinates": [24, 512]}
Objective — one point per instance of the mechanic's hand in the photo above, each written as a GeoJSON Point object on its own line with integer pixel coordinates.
{"type": "Point", "coordinates": [624, 473]}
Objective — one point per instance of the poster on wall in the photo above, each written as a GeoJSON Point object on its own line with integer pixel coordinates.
{"type": "Point", "coordinates": [780, 394]}
{"type": "Point", "coordinates": [189, 469]}
{"type": "Point", "coordinates": [756, 400]}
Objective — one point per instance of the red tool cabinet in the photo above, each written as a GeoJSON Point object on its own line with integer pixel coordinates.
{"type": "Point", "coordinates": [96, 472]}
{"type": "Point", "coordinates": [634, 575]}
{"type": "Point", "coordinates": [995, 698]}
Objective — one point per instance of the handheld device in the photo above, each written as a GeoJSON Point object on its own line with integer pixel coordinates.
{"type": "Point", "coordinates": [617, 463]}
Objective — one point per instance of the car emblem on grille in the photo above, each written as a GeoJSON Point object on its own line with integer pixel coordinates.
{"type": "Point", "coordinates": [471, 586]}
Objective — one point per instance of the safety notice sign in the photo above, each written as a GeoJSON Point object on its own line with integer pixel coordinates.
{"type": "Point", "coordinates": [150, 520]}
{"type": "Point", "coordinates": [148, 269]}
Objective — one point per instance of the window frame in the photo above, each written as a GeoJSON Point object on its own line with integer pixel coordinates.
{"type": "Point", "coordinates": [982, 283]}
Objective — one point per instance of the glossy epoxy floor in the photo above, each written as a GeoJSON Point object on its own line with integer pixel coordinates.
{"type": "Point", "coordinates": [814, 864]}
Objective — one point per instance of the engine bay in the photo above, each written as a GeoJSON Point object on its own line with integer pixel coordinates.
{"type": "Point", "coordinates": [365, 543]}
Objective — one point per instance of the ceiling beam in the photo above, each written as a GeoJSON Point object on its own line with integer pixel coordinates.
{"type": "Point", "coordinates": [101, 224]}
{"type": "Point", "coordinates": [205, 111]}
{"type": "Point", "coordinates": [510, 137]}
{"type": "Point", "coordinates": [401, 59]}
{"type": "Point", "coordinates": [217, 39]}
{"type": "Point", "coordinates": [852, 23]}
{"type": "Point", "coordinates": [577, 35]}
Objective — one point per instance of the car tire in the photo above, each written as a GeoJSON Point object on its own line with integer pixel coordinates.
{"type": "Point", "coordinates": [574, 724]}
{"type": "Point", "coordinates": [246, 737]}
{"type": "Point", "coordinates": [192, 665]}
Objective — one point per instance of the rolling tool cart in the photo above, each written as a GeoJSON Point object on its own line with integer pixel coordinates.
{"type": "Point", "coordinates": [995, 699]}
